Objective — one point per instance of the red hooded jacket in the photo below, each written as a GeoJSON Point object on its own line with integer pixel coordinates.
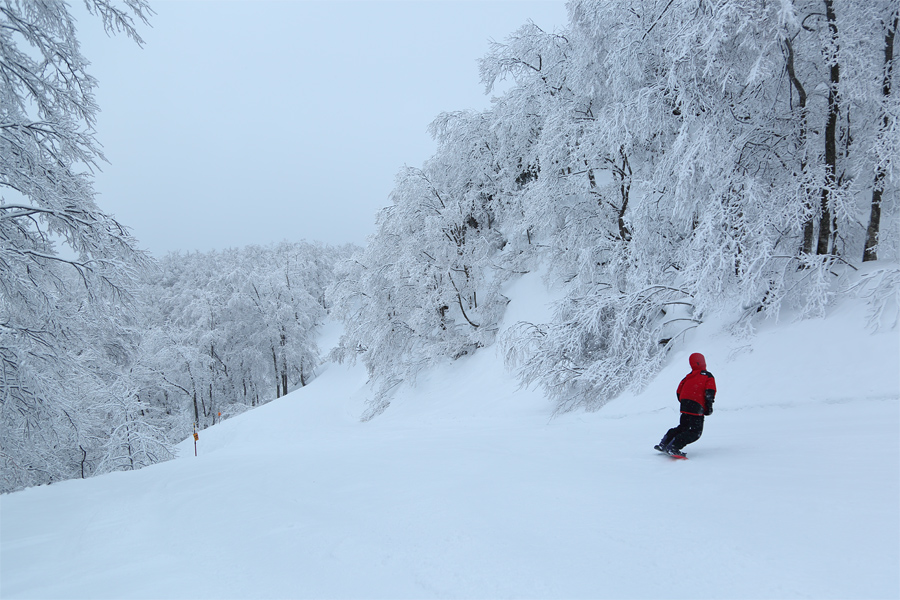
{"type": "Point", "coordinates": [697, 390]}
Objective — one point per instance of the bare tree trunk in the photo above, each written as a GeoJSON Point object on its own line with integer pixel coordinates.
{"type": "Point", "coordinates": [625, 192]}
{"type": "Point", "coordinates": [284, 367]}
{"type": "Point", "coordinates": [277, 378]}
{"type": "Point", "coordinates": [128, 442]}
{"type": "Point", "coordinates": [809, 224]}
{"type": "Point", "coordinates": [212, 377]}
{"type": "Point", "coordinates": [871, 251]}
{"type": "Point", "coordinates": [827, 226]}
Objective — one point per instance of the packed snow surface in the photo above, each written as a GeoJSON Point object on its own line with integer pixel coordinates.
{"type": "Point", "coordinates": [469, 487]}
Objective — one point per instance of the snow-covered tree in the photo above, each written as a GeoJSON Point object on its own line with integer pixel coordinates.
{"type": "Point", "coordinates": [425, 289]}
{"type": "Point", "coordinates": [665, 160]}
{"type": "Point", "coordinates": [53, 304]}
{"type": "Point", "coordinates": [746, 181]}
{"type": "Point", "coordinates": [230, 330]}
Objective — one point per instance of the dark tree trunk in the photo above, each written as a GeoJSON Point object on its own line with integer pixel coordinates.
{"type": "Point", "coordinates": [809, 224]}
{"type": "Point", "coordinates": [211, 413]}
{"type": "Point", "coordinates": [827, 226]}
{"type": "Point", "coordinates": [277, 378]}
{"type": "Point", "coordinates": [871, 251]}
{"type": "Point", "coordinates": [284, 366]}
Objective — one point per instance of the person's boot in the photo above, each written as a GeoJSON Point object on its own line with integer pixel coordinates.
{"type": "Point", "coordinates": [673, 451]}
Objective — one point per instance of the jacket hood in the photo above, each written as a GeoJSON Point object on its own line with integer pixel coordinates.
{"type": "Point", "coordinates": [698, 362]}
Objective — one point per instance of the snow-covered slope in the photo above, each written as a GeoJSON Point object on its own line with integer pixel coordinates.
{"type": "Point", "coordinates": [468, 487]}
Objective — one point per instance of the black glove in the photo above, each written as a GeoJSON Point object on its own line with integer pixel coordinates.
{"type": "Point", "coordinates": [709, 408]}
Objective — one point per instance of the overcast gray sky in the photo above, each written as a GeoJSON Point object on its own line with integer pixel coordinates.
{"type": "Point", "coordinates": [254, 122]}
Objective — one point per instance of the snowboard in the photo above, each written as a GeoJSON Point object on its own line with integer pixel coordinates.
{"type": "Point", "coordinates": [675, 456]}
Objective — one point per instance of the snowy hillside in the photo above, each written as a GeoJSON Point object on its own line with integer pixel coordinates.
{"type": "Point", "coordinates": [468, 487]}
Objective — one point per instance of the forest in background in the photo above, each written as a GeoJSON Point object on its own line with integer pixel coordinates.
{"type": "Point", "coordinates": [664, 163]}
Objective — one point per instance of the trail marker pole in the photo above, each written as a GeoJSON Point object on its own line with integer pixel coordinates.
{"type": "Point", "coordinates": [196, 437]}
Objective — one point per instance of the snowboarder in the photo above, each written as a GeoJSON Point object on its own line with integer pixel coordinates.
{"type": "Point", "coordinates": [696, 394]}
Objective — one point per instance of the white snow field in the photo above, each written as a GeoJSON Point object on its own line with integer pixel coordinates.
{"type": "Point", "coordinates": [468, 487]}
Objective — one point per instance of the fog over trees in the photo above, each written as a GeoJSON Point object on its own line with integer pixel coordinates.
{"type": "Point", "coordinates": [664, 163]}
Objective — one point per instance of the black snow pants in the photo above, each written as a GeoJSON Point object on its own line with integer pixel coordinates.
{"type": "Point", "coordinates": [688, 431]}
